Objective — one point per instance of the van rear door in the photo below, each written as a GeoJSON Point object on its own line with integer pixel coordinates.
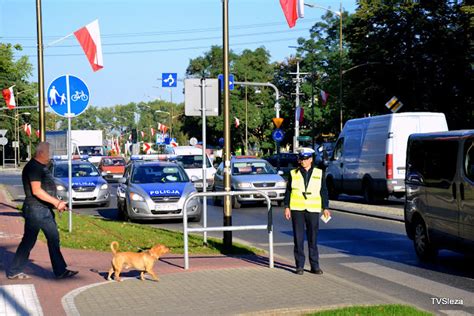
{"type": "Point", "coordinates": [466, 192]}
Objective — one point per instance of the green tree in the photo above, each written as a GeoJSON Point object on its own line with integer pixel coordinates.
{"type": "Point", "coordinates": [419, 51]}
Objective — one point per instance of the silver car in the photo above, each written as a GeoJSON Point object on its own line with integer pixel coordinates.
{"type": "Point", "coordinates": [249, 174]}
{"type": "Point", "coordinates": [155, 190]}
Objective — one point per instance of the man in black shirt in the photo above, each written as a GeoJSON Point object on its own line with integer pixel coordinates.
{"type": "Point", "coordinates": [40, 199]}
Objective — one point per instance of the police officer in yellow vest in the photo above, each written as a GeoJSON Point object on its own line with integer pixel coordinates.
{"type": "Point", "coordinates": [305, 197]}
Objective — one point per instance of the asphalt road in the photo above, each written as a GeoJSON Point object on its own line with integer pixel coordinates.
{"type": "Point", "coordinates": [371, 251]}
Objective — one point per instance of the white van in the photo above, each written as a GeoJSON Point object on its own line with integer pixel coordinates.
{"type": "Point", "coordinates": [369, 155]}
{"type": "Point", "coordinates": [190, 158]}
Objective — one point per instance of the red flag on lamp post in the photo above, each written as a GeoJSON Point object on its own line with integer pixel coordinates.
{"type": "Point", "coordinates": [89, 38]}
{"type": "Point", "coordinates": [237, 122]}
{"type": "Point", "coordinates": [293, 9]}
{"type": "Point", "coordinates": [9, 97]}
{"type": "Point", "coordinates": [27, 129]}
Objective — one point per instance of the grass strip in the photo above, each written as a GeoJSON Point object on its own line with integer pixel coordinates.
{"type": "Point", "coordinates": [376, 310]}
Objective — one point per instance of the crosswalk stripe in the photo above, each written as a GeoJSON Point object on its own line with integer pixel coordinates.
{"type": "Point", "coordinates": [435, 289]}
{"type": "Point", "coordinates": [19, 299]}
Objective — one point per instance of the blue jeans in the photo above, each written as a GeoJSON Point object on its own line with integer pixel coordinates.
{"type": "Point", "coordinates": [38, 218]}
{"type": "Point", "coordinates": [310, 220]}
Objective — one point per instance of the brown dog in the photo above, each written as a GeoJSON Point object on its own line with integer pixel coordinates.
{"type": "Point", "coordinates": [142, 261]}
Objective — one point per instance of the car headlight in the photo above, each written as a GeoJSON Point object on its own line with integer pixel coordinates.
{"type": "Point", "coordinates": [244, 185]}
{"type": "Point", "coordinates": [136, 197]}
{"type": "Point", "coordinates": [104, 186]}
{"type": "Point", "coordinates": [60, 188]}
{"type": "Point", "coordinates": [281, 184]}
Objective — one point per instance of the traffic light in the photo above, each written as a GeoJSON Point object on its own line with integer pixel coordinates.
{"type": "Point", "coordinates": [134, 135]}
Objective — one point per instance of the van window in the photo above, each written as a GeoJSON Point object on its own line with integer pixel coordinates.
{"type": "Point", "coordinates": [469, 159]}
{"type": "Point", "coordinates": [338, 149]}
{"type": "Point", "coordinates": [435, 161]}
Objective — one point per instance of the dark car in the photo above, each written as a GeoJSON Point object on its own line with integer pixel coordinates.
{"type": "Point", "coordinates": [288, 161]}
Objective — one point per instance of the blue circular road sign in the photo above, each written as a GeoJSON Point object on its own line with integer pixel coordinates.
{"type": "Point", "coordinates": [278, 134]}
{"type": "Point", "coordinates": [68, 96]}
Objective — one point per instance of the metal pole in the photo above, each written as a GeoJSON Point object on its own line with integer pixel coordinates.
{"type": "Point", "coordinates": [227, 144]}
{"type": "Point", "coordinates": [297, 101]}
{"type": "Point", "coordinates": [69, 152]}
{"type": "Point", "coordinates": [15, 118]}
{"type": "Point", "coordinates": [246, 122]}
{"type": "Point", "coordinates": [340, 66]}
{"type": "Point", "coordinates": [204, 156]}
{"type": "Point", "coordinates": [312, 108]}
{"type": "Point", "coordinates": [264, 84]}
{"type": "Point", "coordinates": [42, 112]}
{"type": "Point", "coordinates": [171, 115]}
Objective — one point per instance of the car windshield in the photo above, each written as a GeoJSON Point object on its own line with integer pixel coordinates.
{"type": "Point", "coordinates": [78, 170]}
{"type": "Point", "coordinates": [158, 174]}
{"type": "Point", "coordinates": [252, 167]}
{"type": "Point", "coordinates": [192, 161]}
{"type": "Point", "coordinates": [113, 162]}
{"type": "Point", "coordinates": [91, 150]}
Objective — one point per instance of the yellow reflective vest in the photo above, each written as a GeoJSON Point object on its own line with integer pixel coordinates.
{"type": "Point", "coordinates": [309, 198]}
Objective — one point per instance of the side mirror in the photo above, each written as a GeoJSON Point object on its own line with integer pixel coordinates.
{"type": "Point", "coordinates": [194, 178]}
{"type": "Point", "coordinates": [280, 172]}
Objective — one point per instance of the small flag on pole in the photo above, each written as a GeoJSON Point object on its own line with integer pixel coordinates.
{"type": "Point", "coordinates": [152, 131]}
{"type": "Point", "coordinates": [89, 38]}
{"type": "Point", "coordinates": [237, 122]}
{"type": "Point", "coordinates": [9, 97]}
{"type": "Point", "coordinates": [27, 129]}
{"type": "Point", "coordinates": [324, 97]}
{"type": "Point", "coordinates": [38, 133]}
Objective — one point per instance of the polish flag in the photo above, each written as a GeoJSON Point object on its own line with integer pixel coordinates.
{"type": "Point", "coordinates": [324, 97]}
{"type": "Point", "coordinates": [9, 97]}
{"type": "Point", "coordinates": [237, 122]}
{"type": "Point", "coordinates": [117, 146]}
{"type": "Point", "coordinates": [38, 133]}
{"type": "Point", "coordinates": [293, 9]}
{"type": "Point", "coordinates": [299, 114]}
{"type": "Point", "coordinates": [152, 131]}
{"type": "Point", "coordinates": [89, 38]}
{"type": "Point", "coordinates": [27, 129]}
{"type": "Point", "coordinates": [143, 134]}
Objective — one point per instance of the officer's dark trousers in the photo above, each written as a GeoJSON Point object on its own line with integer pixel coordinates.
{"type": "Point", "coordinates": [310, 221]}
{"type": "Point", "coordinates": [38, 218]}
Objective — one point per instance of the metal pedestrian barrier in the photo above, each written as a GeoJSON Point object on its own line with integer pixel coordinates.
{"type": "Point", "coordinates": [204, 229]}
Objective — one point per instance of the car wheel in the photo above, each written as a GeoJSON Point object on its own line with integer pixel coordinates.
{"type": "Point", "coordinates": [332, 192]}
{"type": "Point", "coordinates": [236, 204]}
{"type": "Point", "coordinates": [197, 218]}
{"type": "Point", "coordinates": [424, 249]}
{"type": "Point", "coordinates": [125, 215]}
{"type": "Point", "coordinates": [368, 192]}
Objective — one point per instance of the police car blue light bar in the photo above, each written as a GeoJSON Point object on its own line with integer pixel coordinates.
{"type": "Point", "coordinates": [161, 157]}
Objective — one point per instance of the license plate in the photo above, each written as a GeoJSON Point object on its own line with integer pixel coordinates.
{"type": "Point", "coordinates": [198, 184]}
{"type": "Point", "coordinates": [82, 195]}
{"type": "Point", "coordinates": [271, 194]}
{"type": "Point", "coordinates": [166, 207]}
{"type": "Point", "coordinates": [117, 175]}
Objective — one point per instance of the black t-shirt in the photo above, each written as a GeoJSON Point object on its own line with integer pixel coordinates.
{"type": "Point", "coordinates": [36, 171]}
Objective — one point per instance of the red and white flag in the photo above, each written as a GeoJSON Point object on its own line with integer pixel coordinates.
{"type": "Point", "coordinates": [89, 38]}
{"type": "Point", "coordinates": [324, 97]}
{"type": "Point", "coordinates": [299, 114]}
{"type": "Point", "coordinates": [38, 133]}
{"type": "Point", "coordinates": [162, 128]}
{"type": "Point", "coordinates": [143, 134]}
{"type": "Point", "coordinates": [237, 122]}
{"type": "Point", "coordinates": [152, 131]}
{"type": "Point", "coordinates": [27, 129]}
{"type": "Point", "coordinates": [293, 9]}
{"type": "Point", "coordinates": [117, 146]}
{"type": "Point", "coordinates": [9, 97]}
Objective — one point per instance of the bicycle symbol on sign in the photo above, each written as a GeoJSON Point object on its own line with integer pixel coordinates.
{"type": "Point", "coordinates": [79, 96]}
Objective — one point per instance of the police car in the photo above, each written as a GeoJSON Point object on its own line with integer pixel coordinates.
{"type": "Point", "coordinates": [155, 190]}
{"type": "Point", "coordinates": [88, 186]}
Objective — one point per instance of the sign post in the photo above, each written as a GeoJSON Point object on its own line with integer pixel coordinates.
{"type": "Point", "coordinates": [68, 96]}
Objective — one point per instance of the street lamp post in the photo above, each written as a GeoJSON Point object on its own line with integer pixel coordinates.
{"type": "Point", "coordinates": [16, 133]}
{"type": "Point", "coordinates": [340, 52]}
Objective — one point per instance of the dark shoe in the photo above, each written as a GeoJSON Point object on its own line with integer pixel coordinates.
{"type": "Point", "coordinates": [316, 271]}
{"type": "Point", "coordinates": [67, 274]}
{"type": "Point", "coordinates": [299, 271]}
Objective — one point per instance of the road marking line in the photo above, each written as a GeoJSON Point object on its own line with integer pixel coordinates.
{"type": "Point", "coordinates": [19, 299]}
{"type": "Point", "coordinates": [433, 288]}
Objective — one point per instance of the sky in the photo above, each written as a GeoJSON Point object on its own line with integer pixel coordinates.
{"type": "Point", "coordinates": [141, 39]}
